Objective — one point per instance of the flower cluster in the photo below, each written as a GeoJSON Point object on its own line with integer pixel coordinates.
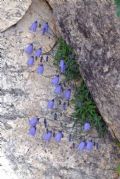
{"type": "Point", "coordinates": [59, 90]}
{"type": "Point", "coordinates": [36, 54]}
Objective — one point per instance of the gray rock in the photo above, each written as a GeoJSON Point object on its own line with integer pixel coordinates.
{"type": "Point", "coordinates": [24, 94]}
{"type": "Point", "coordinates": [93, 30]}
{"type": "Point", "coordinates": [11, 12]}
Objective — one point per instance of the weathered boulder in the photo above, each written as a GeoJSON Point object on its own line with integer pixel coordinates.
{"type": "Point", "coordinates": [92, 28]}
{"type": "Point", "coordinates": [23, 94]}
{"type": "Point", "coordinates": [11, 12]}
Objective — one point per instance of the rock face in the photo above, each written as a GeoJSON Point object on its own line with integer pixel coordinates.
{"type": "Point", "coordinates": [11, 12]}
{"type": "Point", "coordinates": [93, 30]}
{"type": "Point", "coordinates": [23, 94]}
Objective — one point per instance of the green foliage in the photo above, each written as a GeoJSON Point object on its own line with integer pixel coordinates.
{"type": "Point", "coordinates": [65, 52]}
{"type": "Point", "coordinates": [117, 2]}
{"type": "Point", "coordinates": [118, 169]}
{"type": "Point", "coordinates": [85, 109]}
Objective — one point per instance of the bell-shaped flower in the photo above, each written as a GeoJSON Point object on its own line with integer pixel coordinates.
{"type": "Point", "coordinates": [34, 26]}
{"type": "Point", "coordinates": [58, 89]}
{"type": "Point", "coordinates": [45, 28]}
{"type": "Point", "coordinates": [40, 69]}
{"type": "Point", "coordinates": [32, 131]}
{"type": "Point", "coordinates": [81, 146]}
{"type": "Point", "coordinates": [62, 66]}
{"type": "Point", "coordinates": [89, 145]}
{"type": "Point", "coordinates": [86, 127]}
{"type": "Point", "coordinates": [33, 121]}
{"type": "Point", "coordinates": [62, 63]}
{"type": "Point", "coordinates": [55, 80]}
{"type": "Point", "coordinates": [58, 136]}
{"type": "Point", "coordinates": [38, 52]}
{"type": "Point", "coordinates": [30, 61]}
{"type": "Point", "coordinates": [67, 94]}
{"type": "Point", "coordinates": [29, 49]}
{"type": "Point", "coordinates": [47, 136]}
{"type": "Point", "coordinates": [50, 104]}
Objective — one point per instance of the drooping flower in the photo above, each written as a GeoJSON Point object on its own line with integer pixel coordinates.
{"type": "Point", "coordinates": [38, 52]}
{"type": "Point", "coordinates": [47, 136]}
{"type": "Point", "coordinates": [33, 121]}
{"type": "Point", "coordinates": [34, 26]}
{"type": "Point", "coordinates": [45, 28]}
{"type": "Point", "coordinates": [62, 66]}
{"type": "Point", "coordinates": [50, 104]}
{"type": "Point", "coordinates": [81, 146]}
{"type": "Point", "coordinates": [40, 69]}
{"type": "Point", "coordinates": [55, 80]}
{"type": "Point", "coordinates": [29, 49]}
{"type": "Point", "coordinates": [86, 127]}
{"type": "Point", "coordinates": [32, 131]}
{"type": "Point", "coordinates": [62, 63]}
{"type": "Point", "coordinates": [67, 94]}
{"type": "Point", "coordinates": [58, 89]}
{"type": "Point", "coordinates": [30, 61]}
{"type": "Point", "coordinates": [58, 136]}
{"type": "Point", "coordinates": [89, 145]}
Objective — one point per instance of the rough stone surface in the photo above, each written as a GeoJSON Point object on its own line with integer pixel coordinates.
{"type": "Point", "coordinates": [11, 11]}
{"type": "Point", "coordinates": [24, 94]}
{"type": "Point", "coordinates": [92, 28]}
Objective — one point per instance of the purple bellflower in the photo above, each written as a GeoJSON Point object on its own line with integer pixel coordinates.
{"type": "Point", "coordinates": [38, 52]}
{"type": "Point", "coordinates": [30, 61]}
{"type": "Point", "coordinates": [47, 136]}
{"type": "Point", "coordinates": [33, 121]}
{"type": "Point", "coordinates": [81, 146]}
{"type": "Point", "coordinates": [62, 66]}
{"type": "Point", "coordinates": [55, 80]}
{"type": "Point", "coordinates": [29, 49]}
{"type": "Point", "coordinates": [58, 136]}
{"type": "Point", "coordinates": [51, 104]}
{"type": "Point", "coordinates": [89, 145]}
{"type": "Point", "coordinates": [34, 26]}
{"type": "Point", "coordinates": [45, 28]}
{"type": "Point", "coordinates": [67, 94]}
{"type": "Point", "coordinates": [40, 69]}
{"type": "Point", "coordinates": [32, 131]}
{"type": "Point", "coordinates": [58, 89]}
{"type": "Point", "coordinates": [86, 127]}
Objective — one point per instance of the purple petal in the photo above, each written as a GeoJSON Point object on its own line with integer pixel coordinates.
{"type": "Point", "coordinates": [30, 61]}
{"type": "Point", "coordinates": [38, 52]}
{"type": "Point", "coordinates": [64, 106]}
{"type": "Point", "coordinates": [50, 104]}
{"type": "Point", "coordinates": [86, 127]}
{"type": "Point", "coordinates": [58, 136]}
{"type": "Point", "coordinates": [32, 131]}
{"type": "Point", "coordinates": [33, 121]}
{"type": "Point", "coordinates": [40, 69]}
{"type": "Point", "coordinates": [67, 94]}
{"type": "Point", "coordinates": [58, 89]}
{"type": "Point", "coordinates": [62, 63]}
{"type": "Point", "coordinates": [45, 28]}
{"type": "Point", "coordinates": [47, 136]}
{"type": "Point", "coordinates": [55, 80]}
{"type": "Point", "coordinates": [89, 145]}
{"type": "Point", "coordinates": [29, 49]}
{"type": "Point", "coordinates": [81, 146]}
{"type": "Point", "coordinates": [33, 27]}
